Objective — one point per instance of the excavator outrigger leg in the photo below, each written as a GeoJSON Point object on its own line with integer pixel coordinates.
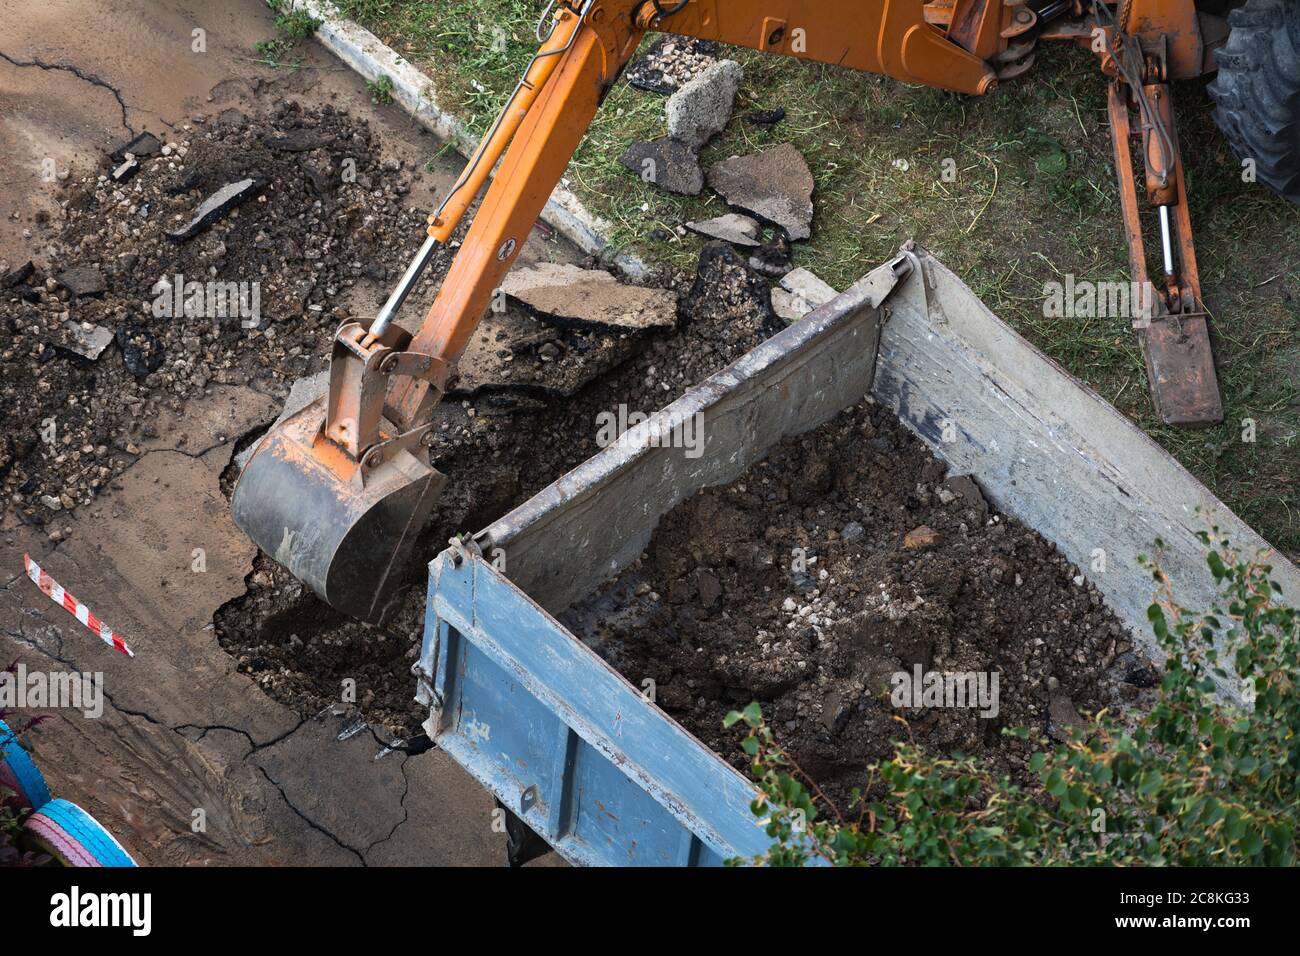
{"type": "Point", "coordinates": [1170, 317]}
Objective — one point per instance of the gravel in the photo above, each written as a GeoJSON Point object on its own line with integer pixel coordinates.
{"type": "Point", "coordinates": [314, 244]}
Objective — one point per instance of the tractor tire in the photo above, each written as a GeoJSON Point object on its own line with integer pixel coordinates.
{"type": "Point", "coordinates": [1257, 91]}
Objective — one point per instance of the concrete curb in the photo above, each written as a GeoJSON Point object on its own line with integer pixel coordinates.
{"type": "Point", "coordinates": [370, 57]}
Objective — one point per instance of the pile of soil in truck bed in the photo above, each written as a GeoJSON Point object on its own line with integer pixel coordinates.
{"type": "Point", "coordinates": [902, 566]}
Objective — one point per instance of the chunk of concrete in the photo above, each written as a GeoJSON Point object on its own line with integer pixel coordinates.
{"type": "Point", "coordinates": [667, 163]}
{"type": "Point", "coordinates": [801, 282]}
{"type": "Point", "coordinates": [775, 186]}
{"type": "Point", "coordinates": [789, 307]}
{"type": "Point", "coordinates": [733, 228]}
{"type": "Point", "coordinates": [567, 295]}
{"type": "Point", "coordinates": [216, 206]}
{"type": "Point", "coordinates": [122, 174]}
{"type": "Point", "coordinates": [701, 108]}
{"type": "Point", "coordinates": [800, 293]}
{"type": "Point", "coordinates": [86, 339]}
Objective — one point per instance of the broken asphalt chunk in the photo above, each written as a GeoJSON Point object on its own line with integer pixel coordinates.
{"type": "Point", "coordinates": [667, 163]}
{"type": "Point", "coordinates": [725, 288]}
{"type": "Point", "coordinates": [21, 274]}
{"type": "Point", "coordinates": [142, 351]}
{"type": "Point", "coordinates": [146, 144]}
{"type": "Point", "coordinates": [774, 186]}
{"type": "Point", "coordinates": [765, 117]}
{"type": "Point", "coordinates": [772, 258]}
{"type": "Point", "coordinates": [216, 206]}
{"type": "Point", "coordinates": [670, 62]}
{"type": "Point", "coordinates": [567, 295]}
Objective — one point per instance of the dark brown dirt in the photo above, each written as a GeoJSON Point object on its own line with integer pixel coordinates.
{"type": "Point", "coordinates": [901, 567]}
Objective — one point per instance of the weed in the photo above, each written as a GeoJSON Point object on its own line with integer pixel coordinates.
{"type": "Point", "coordinates": [380, 89]}
{"type": "Point", "coordinates": [292, 26]}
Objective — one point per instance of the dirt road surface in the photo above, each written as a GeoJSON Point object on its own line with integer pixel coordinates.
{"type": "Point", "coordinates": [191, 763]}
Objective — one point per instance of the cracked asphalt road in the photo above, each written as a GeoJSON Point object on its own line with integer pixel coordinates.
{"type": "Point", "coordinates": [190, 763]}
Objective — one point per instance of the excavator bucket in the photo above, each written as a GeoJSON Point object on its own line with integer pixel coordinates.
{"type": "Point", "coordinates": [305, 503]}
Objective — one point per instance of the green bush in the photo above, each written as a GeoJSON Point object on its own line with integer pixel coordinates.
{"type": "Point", "coordinates": [1194, 781]}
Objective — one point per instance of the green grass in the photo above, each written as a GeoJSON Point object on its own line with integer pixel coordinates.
{"type": "Point", "coordinates": [293, 24]}
{"type": "Point", "coordinates": [1034, 199]}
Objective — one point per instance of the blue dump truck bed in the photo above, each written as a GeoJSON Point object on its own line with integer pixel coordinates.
{"type": "Point", "coordinates": [584, 758]}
